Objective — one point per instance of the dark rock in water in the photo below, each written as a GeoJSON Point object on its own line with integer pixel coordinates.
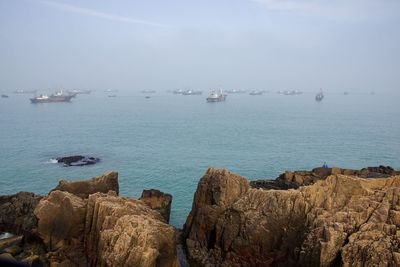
{"type": "Point", "coordinates": [77, 160]}
{"type": "Point", "coordinates": [158, 201]}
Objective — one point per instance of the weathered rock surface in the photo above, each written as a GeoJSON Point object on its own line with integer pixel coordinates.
{"type": "Point", "coordinates": [61, 223]}
{"type": "Point", "coordinates": [158, 201]}
{"type": "Point", "coordinates": [126, 232]}
{"type": "Point", "coordinates": [296, 179]}
{"type": "Point", "coordinates": [342, 220]}
{"type": "Point", "coordinates": [103, 184]}
{"type": "Point", "coordinates": [16, 213]}
{"type": "Point", "coordinates": [77, 160]}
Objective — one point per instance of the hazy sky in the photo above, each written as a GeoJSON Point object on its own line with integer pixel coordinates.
{"type": "Point", "coordinates": [250, 44]}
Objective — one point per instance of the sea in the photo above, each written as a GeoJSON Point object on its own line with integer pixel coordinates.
{"type": "Point", "coordinates": [168, 141]}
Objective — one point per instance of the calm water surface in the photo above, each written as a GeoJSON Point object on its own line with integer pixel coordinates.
{"type": "Point", "coordinates": [168, 141]}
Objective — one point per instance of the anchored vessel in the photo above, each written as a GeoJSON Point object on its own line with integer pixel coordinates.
{"type": "Point", "coordinates": [216, 96]}
{"type": "Point", "coordinates": [319, 96]}
{"type": "Point", "coordinates": [57, 97]}
{"type": "Point", "coordinates": [191, 92]}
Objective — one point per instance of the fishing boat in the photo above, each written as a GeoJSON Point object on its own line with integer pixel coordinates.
{"type": "Point", "coordinates": [216, 96]}
{"type": "Point", "coordinates": [319, 96]}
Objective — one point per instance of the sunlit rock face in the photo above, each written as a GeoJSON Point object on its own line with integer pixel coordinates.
{"type": "Point", "coordinates": [342, 220]}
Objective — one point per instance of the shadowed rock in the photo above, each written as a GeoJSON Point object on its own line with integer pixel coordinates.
{"type": "Point", "coordinates": [158, 201]}
{"type": "Point", "coordinates": [16, 213]}
{"type": "Point", "coordinates": [103, 184]}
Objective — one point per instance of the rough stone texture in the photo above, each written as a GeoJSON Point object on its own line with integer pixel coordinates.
{"type": "Point", "coordinates": [158, 201]}
{"type": "Point", "coordinates": [288, 180]}
{"type": "Point", "coordinates": [61, 224]}
{"type": "Point", "coordinates": [106, 182]}
{"type": "Point", "coordinates": [125, 232]}
{"type": "Point", "coordinates": [342, 220]}
{"type": "Point", "coordinates": [16, 214]}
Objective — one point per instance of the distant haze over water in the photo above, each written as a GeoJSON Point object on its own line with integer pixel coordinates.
{"type": "Point", "coordinates": [168, 141]}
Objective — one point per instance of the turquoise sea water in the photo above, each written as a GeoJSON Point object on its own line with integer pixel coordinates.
{"type": "Point", "coordinates": [168, 141]}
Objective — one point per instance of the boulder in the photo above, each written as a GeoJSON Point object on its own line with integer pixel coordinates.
{"type": "Point", "coordinates": [61, 224]}
{"type": "Point", "coordinates": [121, 231]}
{"type": "Point", "coordinates": [158, 201]}
{"type": "Point", "coordinates": [107, 182]}
{"type": "Point", "coordinates": [16, 214]}
{"type": "Point", "coordinates": [341, 220]}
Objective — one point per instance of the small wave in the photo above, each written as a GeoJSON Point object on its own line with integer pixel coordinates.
{"type": "Point", "coordinates": [52, 161]}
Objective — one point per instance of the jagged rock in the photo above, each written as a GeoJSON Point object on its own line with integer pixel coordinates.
{"type": "Point", "coordinates": [120, 231]}
{"type": "Point", "coordinates": [158, 201]}
{"type": "Point", "coordinates": [342, 220]}
{"type": "Point", "coordinates": [7, 258]}
{"type": "Point", "coordinates": [61, 219]}
{"type": "Point", "coordinates": [288, 180]}
{"type": "Point", "coordinates": [106, 182]}
{"type": "Point", "coordinates": [77, 160]}
{"type": "Point", "coordinates": [16, 214]}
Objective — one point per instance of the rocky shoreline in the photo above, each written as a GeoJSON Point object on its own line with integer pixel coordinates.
{"type": "Point", "coordinates": [323, 217]}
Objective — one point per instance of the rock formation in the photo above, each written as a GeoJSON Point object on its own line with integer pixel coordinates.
{"type": "Point", "coordinates": [295, 179]}
{"type": "Point", "coordinates": [342, 220]}
{"type": "Point", "coordinates": [103, 184]}
{"type": "Point", "coordinates": [77, 160]}
{"type": "Point", "coordinates": [16, 213]}
{"type": "Point", "coordinates": [158, 201]}
{"type": "Point", "coordinates": [83, 223]}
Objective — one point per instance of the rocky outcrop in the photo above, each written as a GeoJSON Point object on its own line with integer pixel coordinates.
{"type": "Point", "coordinates": [158, 201]}
{"type": "Point", "coordinates": [103, 184]}
{"type": "Point", "coordinates": [342, 220]}
{"type": "Point", "coordinates": [78, 225]}
{"type": "Point", "coordinates": [296, 179]}
{"type": "Point", "coordinates": [61, 223]}
{"type": "Point", "coordinates": [126, 232]}
{"type": "Point", "coordinates": [77, 160]}
{"type": "Point", "coordinates": [16, 214]}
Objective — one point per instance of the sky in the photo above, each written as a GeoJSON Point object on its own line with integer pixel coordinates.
{"type": "Point", "coordinates": [342, 45]}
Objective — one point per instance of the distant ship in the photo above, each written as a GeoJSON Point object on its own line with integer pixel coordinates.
{"type": "Point", "coordinates": [57, 97]}
{"type": "Point", "coordinates": [292, 92]}
{"type": "Point", "coordinates": [149, 91]}
{"type": "Point", "coordinates": [178, 92]}
{"type": "Point", "coordinates": [319, 96]}
{"type": "Point", "coordinates": [236, 91]}
{"type": "Point", "coordinates": [191, 92]}
{"type": "Point", "coordinates": [79, 92]}
{"type": "Point", "coordinates": [4, 96]}
{"type": "Point", "coordinates": [256, 92]}
{"type": "Point", "coordinates": [112, 95]}
{"type": "Point", "coordinates": [20, 91]}
{"type": "Point", "coordinates": [216, 96]}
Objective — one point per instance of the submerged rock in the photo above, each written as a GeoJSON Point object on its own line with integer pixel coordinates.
{"type": "Point", "coordinates": [77, 160]}
{"type": "Point", "coordinates": [342, 221]}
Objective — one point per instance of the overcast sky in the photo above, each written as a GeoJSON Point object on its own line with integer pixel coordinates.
{"type": "Point", "coordinates": [249, 44]}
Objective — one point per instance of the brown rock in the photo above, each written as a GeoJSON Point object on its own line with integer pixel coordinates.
{"type": "Point", "coordinates": [125, 232]}
{"type": "Point", "coordinates": [341, 220]}
{"type": "Point", "coordinates": [16, 214]}
{"type": "Point", "coordinates": [61, 219]}
{"type": "Point", "coordinates": [103, 184]}
{"type": "Point", "coordinates": [158, 201]}
{"type": "Point", "coordinates": [10, 241]}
